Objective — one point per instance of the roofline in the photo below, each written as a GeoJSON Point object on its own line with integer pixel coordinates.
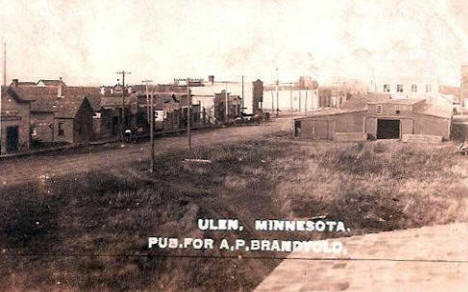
{"type": "Point", "coordinates": [332, 114]}
{"type": "Point", "coordinates": [15, 95]}
{"type": "Point", "coordinates": [435, 116]}
{"type": "Point", "coordinates": [396, 101]}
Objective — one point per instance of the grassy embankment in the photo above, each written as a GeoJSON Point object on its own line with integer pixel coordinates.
{"type": "Point", "coordinates": [84, 232]}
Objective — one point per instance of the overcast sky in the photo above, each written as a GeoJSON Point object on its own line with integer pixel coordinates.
{"type": "Point", "coordinates": [86, 42]}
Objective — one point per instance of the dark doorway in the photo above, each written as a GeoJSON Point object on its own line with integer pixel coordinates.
{"type": "Point", "coordinates": [297, 128]}
{"type": "Point", "coordinates": [115, 126]}
{"type": "Point", "coordinates": [12, 139]}
{"type": "Point", "coordinates": [388, 129]}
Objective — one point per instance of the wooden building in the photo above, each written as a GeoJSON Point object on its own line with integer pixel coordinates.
{"type": "Point", "coordinates": [58, 114]}
{"type": "Point", "coordinates": [15, 120]}
{"type": "Point", "coordinates": [381, 119]}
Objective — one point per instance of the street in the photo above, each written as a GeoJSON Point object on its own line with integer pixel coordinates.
{"type": "Point", "coordinates": [31, 168]}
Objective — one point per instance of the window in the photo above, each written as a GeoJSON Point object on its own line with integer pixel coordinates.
{"type": "Point", "coordinates": [428, 88]}
{"type": "Point", "coordinates": [386, 88]}
{"type": "Point", "coordinates": [414, 88]}
{"type": "Point", "coordinates": [399, 88]}
{"type": "Point", "coordinates": [379, 109]}
{"type": "Point", "coordinates": [61, 131]}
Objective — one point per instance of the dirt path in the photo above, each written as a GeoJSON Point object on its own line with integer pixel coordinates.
{"type": "Point", "coordinates": [31, 168]}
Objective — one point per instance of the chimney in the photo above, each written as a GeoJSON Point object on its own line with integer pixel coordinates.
{"type": "Point", "coordinates": [59, 90]}
{"type": "Point", "coordinates": [211, 79]}
{"type": "Point", "coordinates": [14, 82]}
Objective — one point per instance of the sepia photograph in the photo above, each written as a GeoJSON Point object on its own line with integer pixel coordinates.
{"type": "Point", "coordinates": [233, 145]}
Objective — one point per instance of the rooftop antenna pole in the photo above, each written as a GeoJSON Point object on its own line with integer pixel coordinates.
{"type": "Point", "coordinates": [123, 72]}
{"type": "Point", "coordinates": [151, 124]}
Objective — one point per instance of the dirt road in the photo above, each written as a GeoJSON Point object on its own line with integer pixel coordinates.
{"type": "Point", "coordinates": [31, 168]}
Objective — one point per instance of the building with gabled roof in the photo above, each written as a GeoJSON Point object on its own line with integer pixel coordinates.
{"type": "Point", "coordinates": [15, 119]}
{"type": "Point", "coordinates": [74, 120]}
{"type": "Point", "coordinates": [378, 118]}
{"type": "Point", "coordinates": [58, 113]}
{"type": "Point", "coordinates": [51, 82]}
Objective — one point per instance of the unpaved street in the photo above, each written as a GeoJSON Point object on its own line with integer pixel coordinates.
{"type": "Point", "coordinates": [21, 170]}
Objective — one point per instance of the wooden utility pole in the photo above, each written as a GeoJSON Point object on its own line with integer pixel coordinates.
{"type": "Point", "coordinates": [4, 65]}
{"type": "Point", "coordinates": [151, 121]}
{"type": "Point", "coordinates": [277, 93]}
{"type": "Point", "coordinates": [305, 105]}
{"type": "Point", "coordinates": [189, 113]}
{"type": "Point", "coordinates": [226, 118]}
{"type": "Point", "coordinates": [242, 93]}
{"type": "Point", "coordinates": [300, 101]}
{"type": "Point", "coordinates": [290, 97]}
{"type": "Point", "coordinates": [123, 72]}
{"type": "Point", "coordinates": [272, 103]}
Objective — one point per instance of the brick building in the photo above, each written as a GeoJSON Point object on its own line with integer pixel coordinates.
{"type": "Point", "coordinates": [15, 122]}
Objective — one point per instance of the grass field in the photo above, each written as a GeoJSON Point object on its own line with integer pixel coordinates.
{"type": "Point", "coordinates": [89, 231]}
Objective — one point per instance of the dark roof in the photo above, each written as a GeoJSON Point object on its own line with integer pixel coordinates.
{"type": "Point", "coordinates": [26, 83]}
{"type": "Point", "coordinates": [361, 100]}
{"type": "Point", "coordinates": [397, 101]}
{"type": "Point", "coordinates": [92, 93]}
{"type": "Point", "coordinates": [46, 99]}
{"type": "Point", "coordinates": [331, 112]}
{"type": "Point", "coordinates": [10, 92]}
{"type": "Point", "coordinates": [67, 107]}
{"type": "Point", "coordinates": [42, 97]}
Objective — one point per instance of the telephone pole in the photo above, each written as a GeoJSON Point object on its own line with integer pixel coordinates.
{"type": "Point", "coordinates": [242, 93]}
{"type": "Point", "coordinates": [300, 101]}
{"type": "Point", "coordinates": [123, 73]}
{"type": "Point", "coordinates": [189, 113]}
{"type": "Point", "coordinates": [226, 118]}
{"type": "Point", "coordinates": [151, 121]}
{"type": "Point", "coordinates": [4, 64]}
{"type": "Point", "coordinates": [290, 97]}
{"type": "Point", "coordinates": [277, 93]}
{"type": "Point", "coordinates": [305, 105]}
{"type": "Point", "coordinates": [272, 103]}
